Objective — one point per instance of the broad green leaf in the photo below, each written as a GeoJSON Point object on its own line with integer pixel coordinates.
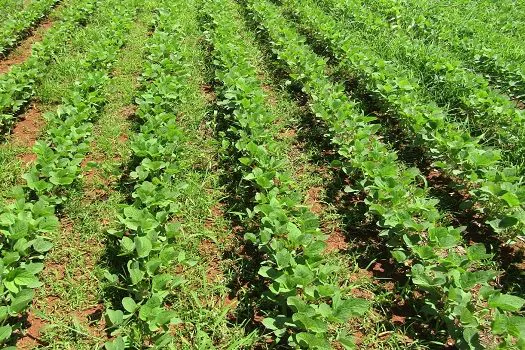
{"type": "Point", "coordinates": [399, 255]}
{"type": "Point", "coordinates": [48, 224]}
{"type": "Point", "coordinates": [499, 323]}
{"type": "Point", "coordinates": [129, 304]}
{"type": "Point", "coordinates": [143, 246]}
{"type": "Point", "coordinates": [116, 344]}
{"type": "Point", "coordinates": [347, 342]}
{"type": "Point", "coordinates": [352, 307]}
{"type": "Point", "coordinates": [4, 313]}
{"type": "Point", "coordinates": [511, 199]}
{"type": "Point", "coordinates": [506, 302]}
{"type": "Point", "coordinates": [303, 275]}
{"type": "Point", "coordinates": [282, 258]}
{"type": "Point", "coordinates": [136, 275]}
{"type": "Point", "coordinates": [21, 300]}
{"type": "Point", "coordinates": [150, 308]}
{"type": "Point", "coordinates": [5, 333]}
{"type": "Point", "coordinates": [312, 341]}
{"type": "Point", "coordinates": [471, 336]}
{"type": "Point", "coordinates": [315, 249]}
{"type": "Point", "coordinates": [159, 282]}
{"type": "Point", "coordinates": [127, 245]}
{"type": "Point", "coordinates": [477, 252]}
{"type": "Point", "coordinates": [42, 245]}
{"type": "Point", "coordinates": [164, 317]}
{"type": "Point", "coordinates": [116, 317]}
{"type": "Point", "coordinates": [467, 318]}
{"type": "Point", "coordinates": [310, 323]}
{"type": "Point", "coordinates": [297, 304]}
{"type": "Point", "coordinates": [516, 326]}
{"type": "Point", "coordinates": [26, 278]}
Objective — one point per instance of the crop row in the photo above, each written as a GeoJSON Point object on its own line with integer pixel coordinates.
{"type": "Point", "coordinates": [441, 265]}
{"type": "Point", "coordinates": [30, 217]}
{"type": "Point", "coordinates": [305, 301]}
{"type": "Point", "coordinates": [490, 52]}
{"type": "Point", "coordinates": [446, 77]}
{"type": "Point", "coordinates": [500, 16]}
{"type": "Point", "coordinates": [147, 231]}
{"type": "Point", "coordinates": [497, 190]}
{"type": "Point", "coordinates": [17, 85]}
{"type": "Point", "coordinates": [13, 29]}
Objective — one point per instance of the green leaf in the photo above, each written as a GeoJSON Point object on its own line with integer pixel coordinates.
{"type": "Point", "coordinates": [269, 323]}
{"type": "Point", "coordinates": [136, 275]}
{"type": "Point", "coordinates": [303, 275]}
{"type": "Point", "coordinates": [352, 307]}
{"type": "Point", "coordinates": [165, 317]}
{"type": "Point", "coordinates": [34, 268]}
{"type": "Point", "coordinates": [506, 302]}
{"type": "Point", "coordinates": [283, 257]}
{"type": "Point", "coordinates": [143, 246]}
{"type": "Point", "coordinates": [150, 308]}
{"type": "Point", "coordinates": [297, 304]}
{"type": "Point", "coordinates": [159, 282]}
{"type": "Point", "coordinates": [116, 317]}
{"type": "Point", "coordinates": [22, 300]}
{"type": "Point", "coordinates": [312, 341]}
{"type": "Point", "coordinates": [499, 323]}
{"type": "Point", "coordinates": [4, 313]}
{"type": "Point", "coordinates": [477, 252]}
{"type": "Point", "coordinates": [508, 221]}
{"type": "Point", "coordinates": [467, 318]}
{"type": "Point", "coordinates": [516, 326]}
{"type": "Point", "coordinates": [152, 265]}
{"type": "Point", "coordinates": [42, 245]}
{"type": "Point", "coordinates": [26, 278]}
{"type": "Point", "coordinates": [116, 344]}
{"type": "Point", "coordinates": [112, 278]}
{"type": "Point", "coordinates": [315, 249]}
{"type": "Point", "coordinates": [293, 232]}
{"type": "Point", "coordinates": [129, 305]}
{"type": "Point", "coordinates": [347, 342]}
{"type": "Point", "coordinates": [48, 224]}
{"type": "Point", "coordinates": [310, 323]}
{"type": "Point", "coordinates": [471, 336]}
{"type": "Point", "coordinates": [399, 255]}
{"type": "Point", "coordinates": [5, 333]}
{"type": "Point", "coordinates": [277, 324]}
{"type": "Point", "coordinates": [7, 219]}
{"type": "Point", "coordinates": [511, 199]}
{"type": "Point", "coordinates": [10, 257]}
{"type": "Point", "coordinates": [127, 245]}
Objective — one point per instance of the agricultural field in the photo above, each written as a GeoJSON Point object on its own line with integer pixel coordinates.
{"type": "Point", "coordinates": [262, 174]}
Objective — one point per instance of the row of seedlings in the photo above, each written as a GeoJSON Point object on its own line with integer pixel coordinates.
{"type": "Point", "coordinates": [465, 33]}
{"type": "Point", "coordinates": [147, 278]}
{"type": "Point", "coordinates": [452, 84]}
{"type": "Point", "coordinates": [18, 85]}
{"type": "Point", "coordinates": [497, 190]}
{"type": "Point", "coordinates": [306, 303]}
{"type": "Point", "coordinates": [27, 219]}
{"type": "Point", "coordinates": [14, 28]}
{"type": "Point", "coordinates": [455, 278]}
